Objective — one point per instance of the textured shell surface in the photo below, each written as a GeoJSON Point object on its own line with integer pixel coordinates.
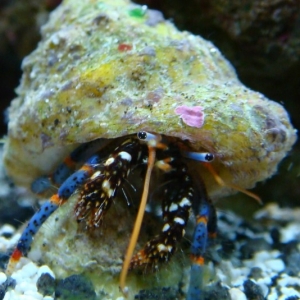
{"type": "Point", "coordinates": [102, 70]}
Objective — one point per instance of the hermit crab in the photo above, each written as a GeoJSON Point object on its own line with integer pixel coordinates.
{"type": "Point", "coordinates": [114, 89]}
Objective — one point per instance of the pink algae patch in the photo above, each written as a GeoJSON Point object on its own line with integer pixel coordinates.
{"type": "Point", "coordinates": [192, 116]}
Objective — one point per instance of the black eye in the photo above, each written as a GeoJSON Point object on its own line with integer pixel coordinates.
{"type": "Point", "coordinates": [209, 157]}
{"type": "Point", "coordinates": [142, 135]}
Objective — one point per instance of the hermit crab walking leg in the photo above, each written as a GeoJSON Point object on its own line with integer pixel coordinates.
{"type": "Point", "coordinates": [64, 192]}
{"type": "Point", "coordinates": [206, 225]}
{"type": "Point", "coordinates": [119, 163]}
{"type": "Point", "coordinates": [66, 168]}
{"type": "Point", "coordinates": [177, 197]}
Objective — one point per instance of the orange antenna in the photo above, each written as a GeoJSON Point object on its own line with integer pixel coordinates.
{"type": "Point", "coordinates": [152, 141]}
{"type": "Point", "coordinates": [205, 158]}
{"type": "Point", "coordinates": [221, 182]}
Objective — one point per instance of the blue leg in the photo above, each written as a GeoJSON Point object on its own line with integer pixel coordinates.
{"type": "Point", "coordinates": [115, 169]}
{"type": "Point", "coordinates": [205, 228]}
{"type": "Point", "coordinates": [79, 155]}
{"type": "Point", "coordinates": [64, 192]}
{"type": "Point", "coordinates": [33, 226]}
{"type": "Point", "coordinates": [66, 168]}
{"type": "Point", "coordinates": [75, 180]}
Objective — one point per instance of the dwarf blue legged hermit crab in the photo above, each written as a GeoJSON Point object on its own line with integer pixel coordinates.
{"type": "Point", "coordinates": [124, 91]}
{"type": "Point", "coordinates": [100, 177]}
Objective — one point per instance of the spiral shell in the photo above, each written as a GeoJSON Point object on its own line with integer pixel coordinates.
{"type": "Point", "coordinates": [106, 69]}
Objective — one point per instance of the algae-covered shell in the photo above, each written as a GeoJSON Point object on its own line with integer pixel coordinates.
{"type": "Point", "coordinates": [106, 69]}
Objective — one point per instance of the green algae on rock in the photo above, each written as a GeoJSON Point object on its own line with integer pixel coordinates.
{"type": "Point", "coordinates": [106, 69]}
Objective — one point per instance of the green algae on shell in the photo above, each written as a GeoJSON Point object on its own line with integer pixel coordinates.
{"type": "Point", "coordinates": [101, 71]}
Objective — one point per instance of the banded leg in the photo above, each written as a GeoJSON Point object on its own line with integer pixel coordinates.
{"type": "Point", "coordinates": [67, 167]}
{"type": "Point", "coordinates": [205, 228]}
{"type": "Point", "coordinates": [33, 226]}
{"type": "Point", "coordinates": [178, 194]}
{"type": "Point", "coordinates": [116, 168]}
{"type": "Point", "coordinates": [37, 220]}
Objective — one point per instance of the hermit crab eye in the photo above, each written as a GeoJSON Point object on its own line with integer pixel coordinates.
{"type": "Point", "coordinates": [150, 138]}
{"type": "Point", "coordinates": [209, 157]}
{"type": "Point", "coordinates": [142, 135]}
{"type": "Point", "coordinates": [199, 156]}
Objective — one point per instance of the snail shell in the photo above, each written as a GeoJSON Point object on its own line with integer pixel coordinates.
{"type": "Point", "coordinates": [108, 69]}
